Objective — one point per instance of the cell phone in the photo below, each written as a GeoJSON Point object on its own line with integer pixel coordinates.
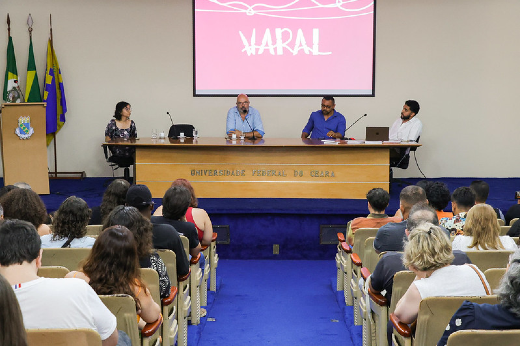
{"type": "Point", "coordinates": [517, 194]}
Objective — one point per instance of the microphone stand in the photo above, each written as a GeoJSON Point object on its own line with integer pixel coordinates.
{"type": "Point", "coordinates": [354, 123]}
{"type": "Point", "coordinates": [252, 131]}
{"type": "Point", "coordinates": [173, 134]}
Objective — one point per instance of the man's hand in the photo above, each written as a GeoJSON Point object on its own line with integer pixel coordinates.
{"type": "Point", "coordinates": [333, 134]}
{"type": "Point", "coordinates": [236, 132]}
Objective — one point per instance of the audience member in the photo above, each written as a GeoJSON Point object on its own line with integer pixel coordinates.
{"type": "Point", "coordinates": [462, 199]}
{"type": "Point", "coordinates": [114, 195]}
{"type": "Point", "coordinates": [382, 279]}
{"type": "Point", "coordinates": [4, 190]}
{"type": "Point", "coordinates": [11, 321]}
{"type": "Point", "coordinates": [24, 204]}
{"type": "Point", "coordinates": [428, 254]}
{"type": "Point", "coordinates": [377, 200]}
{"type": "Point", "coordinates": [49, 303]}
{"type": "Point", "coordinates": [22, 185]}
{"type": "Point", "coordinates": [481, 189]}
{"type": "Point", "coordinates": [439, 196]}
{"type": "Point", "coordinates": [113, 268]}
{"type": "Point", "coordinates": [70, 226]}
{"type": "Point", "coordinates": [164, 236]}
{"type": "Point", "coordinates": [505, 315]}
{"type": "Point", "coordinates": [513, 212]}
{"type": "Point", "coordinates": [141, 228]}
{"type": "Point", "coordinates": [175, 204]}
{"type": "Point", "coordinates": [390, 236]}
{"type": "Point", "coordinates": [482, 232]}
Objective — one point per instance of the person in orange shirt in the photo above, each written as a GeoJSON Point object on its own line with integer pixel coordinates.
{"type": "Point", "coordinates": [438, 196]}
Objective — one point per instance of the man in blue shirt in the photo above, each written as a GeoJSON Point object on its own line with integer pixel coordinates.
{"type": "Point", "coordinates": [244, 119]}
{"type": "Point", "coordinates": [325, 122]}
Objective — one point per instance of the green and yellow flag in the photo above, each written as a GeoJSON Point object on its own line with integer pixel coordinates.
{"type": "Point", "coordinates": [12, 92]}
{"type": "Point", "coordinates": [32, 87]}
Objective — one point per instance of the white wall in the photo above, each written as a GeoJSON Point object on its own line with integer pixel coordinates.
{"type": "Point", "coordinates": [459, 58]}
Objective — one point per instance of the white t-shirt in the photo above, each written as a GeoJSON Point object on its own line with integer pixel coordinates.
{"type": "Point", "coordinates": [462, 242]}
{"type": "Point", "coordinates": [63, 303]}
{"type": "Point", "coordinates": [47, 242]}
{"type": "Point", "coordinates": [408, 131]}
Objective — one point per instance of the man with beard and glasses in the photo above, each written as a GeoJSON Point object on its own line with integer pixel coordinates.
{"type": "Point", "coordinates": [407, 128]}
{"type": "Point", "coordinates": [325, 123]}
{"type": "Point", "coordinates": [243, 119]}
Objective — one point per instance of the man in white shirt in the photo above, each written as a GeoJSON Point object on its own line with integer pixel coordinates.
{"type": "Point", "coordinates": [49, 303]}
{"type": "Point", "coordinates": [407, 128]}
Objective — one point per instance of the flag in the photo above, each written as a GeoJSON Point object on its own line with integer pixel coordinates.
{"type": "Point", "coordinates": [54, 94]}
{"type": "Point", "coordinates": [32, 87]}
{"type": "Point", "coordinates": [12, 92]}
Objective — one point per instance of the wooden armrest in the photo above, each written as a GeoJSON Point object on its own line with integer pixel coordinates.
{"type": "Point", "coordinates": [365, 273]}
{"type": "Point", "coordinates": [355, 259]}
{"type": "Point", "coordinates": [168, 300]}
{"type": "Point", "coordinates": [341, 237]}
{"type": "Point", "coordinates": [195, 260]}
{"type": "Point", "coordinates": [184, 277]}
{"type": "Point", "coordinates": [345, 247]}
{"type": "Point", "coordinates": [402, 328]}
{"type": "Point", "coordinates": [204, 247]}
{"type": "Point", "coordinates": [150, 328]}
{"type": "Point", "coordinates": [214, 237]}
{"type": "Point", "coordinates": [378, 298]}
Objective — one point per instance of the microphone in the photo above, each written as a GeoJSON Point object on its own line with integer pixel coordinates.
{"type": "Point", "coordinates": [252, 131]}
{"type": "Point", "coordinates": [171, 133]}
{"type": "Point", "coordinates": [354, 123]}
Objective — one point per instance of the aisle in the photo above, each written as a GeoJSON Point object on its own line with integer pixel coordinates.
{"type": "Point", "coordinates": [267, 302]}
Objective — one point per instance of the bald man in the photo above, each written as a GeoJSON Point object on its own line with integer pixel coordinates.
{"type": "Point", "coordinates": [244, 119]}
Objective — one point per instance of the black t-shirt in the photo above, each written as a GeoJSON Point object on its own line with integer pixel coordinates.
{"type": "Point", "coordinates": [187, 229]}
{"type": "Point", "coordinates": [512, 213]}
{"type": "Point", "coordinates": [155, 262]}
{"type": "Point", "coordinates": [95, 218]}
{"type": "Point", "coordinates": [166, 237]}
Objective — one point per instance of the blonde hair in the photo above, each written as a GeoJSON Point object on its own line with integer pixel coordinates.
{"type": "Point", "coordinates": [427, 248]}
{"type": "Point", "coordinates": [481, 224]}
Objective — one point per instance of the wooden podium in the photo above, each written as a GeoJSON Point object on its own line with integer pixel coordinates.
{"type": "Point", "coordinates": [25, 159]}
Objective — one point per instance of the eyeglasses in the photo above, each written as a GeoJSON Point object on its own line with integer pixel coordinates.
{"type": "Point", "coordinates": [242, 103]}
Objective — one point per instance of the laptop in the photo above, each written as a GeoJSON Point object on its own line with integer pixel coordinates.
{"type": "Point", "coordinates": [377, 134]}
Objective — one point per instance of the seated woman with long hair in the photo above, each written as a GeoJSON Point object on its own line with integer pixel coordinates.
{"type": "Point", "coordinates": [26, 205]}
{"type": "Point", "coordinates": [482, 232]}
{"type": "Point", "coordinates": [114, 195]}
{"type": "Point", "coordinates": [11, 320]}
{"type": "Point", "coordinates": [141, 228]}
{"type": "Point", "coordinates": [505, 315]}
{"type": "Point", "coordinates": [113, 268]}
{"type": "Point", "coordinates": [197, 216]}
{"type": "Point", "coordinates": [70, 226]}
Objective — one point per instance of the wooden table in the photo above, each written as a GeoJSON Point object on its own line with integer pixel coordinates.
{"type": "Point", "coordinates": [264, 168]}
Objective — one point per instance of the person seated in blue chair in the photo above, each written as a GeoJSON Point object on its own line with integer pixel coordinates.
{"type": "Point", "coordinates": [121, 127]}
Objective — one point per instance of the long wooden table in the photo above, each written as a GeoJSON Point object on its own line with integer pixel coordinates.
{"type": "Point", "coordinates": [263, 168]}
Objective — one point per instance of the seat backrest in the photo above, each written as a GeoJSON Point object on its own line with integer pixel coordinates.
{"type": "Point", "coordinates": [123, 307]}
{"type": "Point", "coordinates": [501, 222]}
{"type": "Point", "coordinates": [70, 258]}
{"type": "Point", "coordinates": [175, 130]}
{"type": "Point", "coordinates": [186, 246]}
{"type": "Point", "coordinates": [170, 261]}
{"type": "Point", "coordinates": [435, 314]}
{"type": "Point", "coordinates": [493, 277]}
{"type": "Point", "coordinates": [402, 280]}
{"type": "Point", "coordinates": [151, 279]}
{"type": "Point", "coordinates": [370, 256]}
{"type": "Point", "coordinates": [484, 337]}
{"type": "Point", "coordinates": [53, 272]}
{"type": "Point", "coordinates": [504, 229]}
{"type": "Point", "coordinates": [485, 259]}
{"type": "Point", "coordinates": [359, 239]}
{"type": "Point", "coordinates": [52, 337]}
{"type": "Point", "coordinates": [94, 229]}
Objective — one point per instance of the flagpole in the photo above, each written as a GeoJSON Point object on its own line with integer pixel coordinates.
{"type": "Point", "coordinates": [8, 26]}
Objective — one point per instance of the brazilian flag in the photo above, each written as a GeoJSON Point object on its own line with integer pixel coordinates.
{"type": "Point", "coordinates": [32, 87]}
{"type": "Point", "coordinates": [12, 91]}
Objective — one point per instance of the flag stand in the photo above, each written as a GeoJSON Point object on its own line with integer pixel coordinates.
{"type": "Point", "coordinates": [63, 175]}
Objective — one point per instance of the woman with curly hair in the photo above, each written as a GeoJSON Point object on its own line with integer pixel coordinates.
{"type": "Point", "coordinates": [113, 268]}
{"type": "Point", "coordinates": [25, 204]}
{"type": "Point", "coordinates": [482, 232]}
{"type": "Point", "coordinates": [141, 228]}
{"type": "Point", "coordinates": [114, 195]}
{"type": "Point", "coordinates": [70, 225]}
{"type": "Point", "coordinates": [11, 320]}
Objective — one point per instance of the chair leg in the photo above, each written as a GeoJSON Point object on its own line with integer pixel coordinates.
{"type": "Point", "coordinates": [127, 174]}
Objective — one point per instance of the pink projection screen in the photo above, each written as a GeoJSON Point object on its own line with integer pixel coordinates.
{"type": "Point", "coordinates": [284, 47]}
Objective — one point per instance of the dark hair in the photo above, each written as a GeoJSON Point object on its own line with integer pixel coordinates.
{"type": "Point", "coordinates": [424, 184]}
{"type": "Point", "coordinates": [119, 108]}
{"type": "Point", "coordinates": [11, 321]}
{"type": "Point", "coordinates": [329, 98]}
{"type": "Point", "coordinates": [4, 190]}
{"type": "Point", "coordinates": [411, 195]}
{"type": "Point", "coordinates": [183, 182]}
{"type": "Point", "coordinates": [414, 106]}
{"type": "Point", "coordinates": [114, 195]}
{"type": "Point", "coordinates": [141, 228]}
{"type": "Point", "coordinates": [176, 201]}
{"type": "Point", "coordinates": [419, 214]}
{"type": "Point", "coordinates": [71, 219]}
{"type": "Point", "coordinates": [24, 204]}
{"type": "Point", "coordinates": [113, 264]}
{"type": "Point", "coordinates": [378, 199]}
{"type": "Point", "coordinates": [481, 190]}
{"type": "Point", "coordinates": [464, 197]}
{"type": "Point", "coordinates": [19, 242]}
{"type": "Point", "coordinates": [438, 195]}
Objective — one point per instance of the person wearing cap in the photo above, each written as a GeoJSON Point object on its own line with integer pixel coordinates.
{"type": "Point", "coordinates": [164, 236]}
